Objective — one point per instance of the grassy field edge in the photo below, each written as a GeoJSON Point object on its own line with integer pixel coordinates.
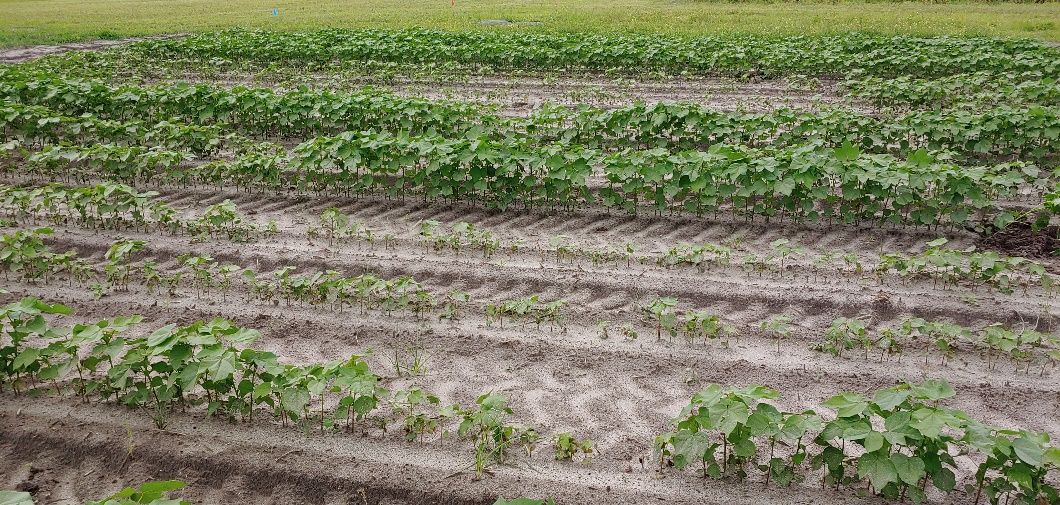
{"type": "Point", "coordinates": [28, 22]}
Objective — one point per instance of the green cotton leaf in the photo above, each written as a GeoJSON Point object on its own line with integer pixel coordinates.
{"type": "Point", "coordinates": [796, 426]}
{"type": "Point", "coordinates": [86, 334]}
{"type": "Point", "coordinates": [842, 425]}
{"type": "Point", "coordinates": [752, 393]}
{"type": "Point", "coordinates": [262, 390]}
{"type": "Point", "coordinates": [151, 491]}
{"type": "Point", "coordinates": [54, 371]}
{"type": "Point", "coordinates": [1022, 474]}
{"type": "Point", "coordinates": [930, 421]}
{"type": "Point", "coordinates": [244, 336]}
{"type": "Point", "coordinates": [959, 216]}
{"type": "Point", "coordinates": [888, 399]}
{"type": "Point", "coordinates": [708, 396]}
{"type": "Point", "coordinates": [1003, 219]}
{"type": "Point", "coordinates": [857, 431]}
{"type": "Point", "coordinates": [744, 448]}
{"type": "Point", "coordinates": [36, 325]}
{"type": "Point", "coordinates": [691, 448]}
{"type": "Point", "coordinates": [873, 441]}
{"type": "Point", "coordinates": [294, 399]}
{"type": "Point", "coordinates": [944, 480]}
{"type": "Point", "coordinates": [910, 470]}
{"type": "Point", "coordinates": [364, 404]}
{"type": "Point", "coordinates": [1052, 456]}
{"type": "Point", "coordinates": [916, 495]}
{"type": "Point", "coordinates": [898, 421]}
{"type": "Point", "coordinates": [765, 420]}
{"type": "Point", "coordinates": [726, 414]}
{"type": "Point", "coordinates": [780, 471]}
{"type": "Point", "coordinates": [847, 152]}
{"type": "Point", "coordinates": [878, 468]}
{"type": "Point", "coordinates": [1029, 450]}
{"type": "Point", "coordinates": [163, 337]}
{"type": "Point", "coordinates": [847, 404]}
{"type": "Point", "coordinates": [933, 390]}
{"type": "Point", "coordinates": [15, 498]}
{"type": "Point", "coordinates": [26, 358]}
{"type": "Point", "coordinates": [920, 158]}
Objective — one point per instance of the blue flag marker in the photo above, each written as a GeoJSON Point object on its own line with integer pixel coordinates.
{"type": "Point", "coordinates": [275, 11]}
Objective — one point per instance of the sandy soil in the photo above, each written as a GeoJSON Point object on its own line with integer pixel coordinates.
{"type": "Point", "coordinates": [620, 393]}
{"type": "Point", "coordinates": [20, 54]}
{"type": "Point", "coordinates": [521, 95]}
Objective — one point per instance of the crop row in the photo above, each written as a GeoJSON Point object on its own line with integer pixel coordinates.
{"type": "Point", "coordinates": [1030, 133]}
{"type": "Point", "coordinates": [24, 252]}
{"type": "Point", "coordinates": [35, 125]}
{"type": "Point", "coordinates": [120, 207]}
{"type": "Point", "coordinates": [258, 111]}
{"type": "Point", "coordinates": [805, 183]}
{"type": "Point", "coordinates": [808, 182]}
{"type": "Point", "coordinates": [116, 206]}
{"type": "Point", "coordinates": [148, 493]}
{"type": "Point", "coordinates": [835, 54]}
{"type": "Point", "coordinates": [1023, 346]}
{"type": "Point", "coordinates": [977, 89]}
{"type": "Point", "coordinates": [157, 493]}
{"type": "Point", "coordinates": [897, 442]}
{"type": "Point", "coordinates": [894, 443]}
{"type": "Point", "coordinates": [211, 366]}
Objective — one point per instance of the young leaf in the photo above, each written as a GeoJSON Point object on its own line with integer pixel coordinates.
{"type": "Point", "coordinates": [878, 468]}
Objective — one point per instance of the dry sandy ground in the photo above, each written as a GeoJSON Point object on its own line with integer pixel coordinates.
{"type": "Point", "coordinates": [20, 54]}
{"type": "Point", "coordinates": [520, 95]}
{"type": "Point", "coordinates": [618, 392]}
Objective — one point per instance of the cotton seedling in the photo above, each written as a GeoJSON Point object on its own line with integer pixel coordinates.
{"type": "Point", "coordinates": [225, 282]}
{"type": "Point", "coordinates": [202, 272]}
{"type": "Point", "coordinates": [700, 324]}
{"type": "Point", "coordinates": [427, 230]}
{"type": "Point", "coordinates": [334, 224]}
{"type": "Point", "coordinates": [528, 438]}
{"type": "Point", "coordinates": [891, 342]}
{"type": "Point", "coordinates": [564, 248]}
{"type": "Point", "coordinates": [823, 262]}
{"type": "Point", "coordinates": [781, 250]}
{"type": "Point", "coordinates": [223, 219]}
{"type": "Point", "coordinates": [662, 311]}
{"type": "Point", "coordinates": [566, 447]}
{"type": "Point", "coordinates": [853, 262]}
{"type": "Point", "coordinates": [412, 405]}
{"type": "Point", "coordinates": [454, 300]}
{"type": "Point", "coordinates": [26, 253]}
{"type": "Point", "coordinates": [779, 327]}
{"type": "Point", "coordinates": [628, 331]}
{"type": "Point", "coordinates": [845, 334]}
{"type": "Point", "coordinates": [485, 426]}
{"type": "Point", "coordinates": [411, 361]}
{"type": "Point", "coordinates": [118, 268]}
{"type": "Point", "coordinates": [603, 329]}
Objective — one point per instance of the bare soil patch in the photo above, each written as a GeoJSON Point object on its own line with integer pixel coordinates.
{"type": "Point", "coordinates": [618, 392]}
